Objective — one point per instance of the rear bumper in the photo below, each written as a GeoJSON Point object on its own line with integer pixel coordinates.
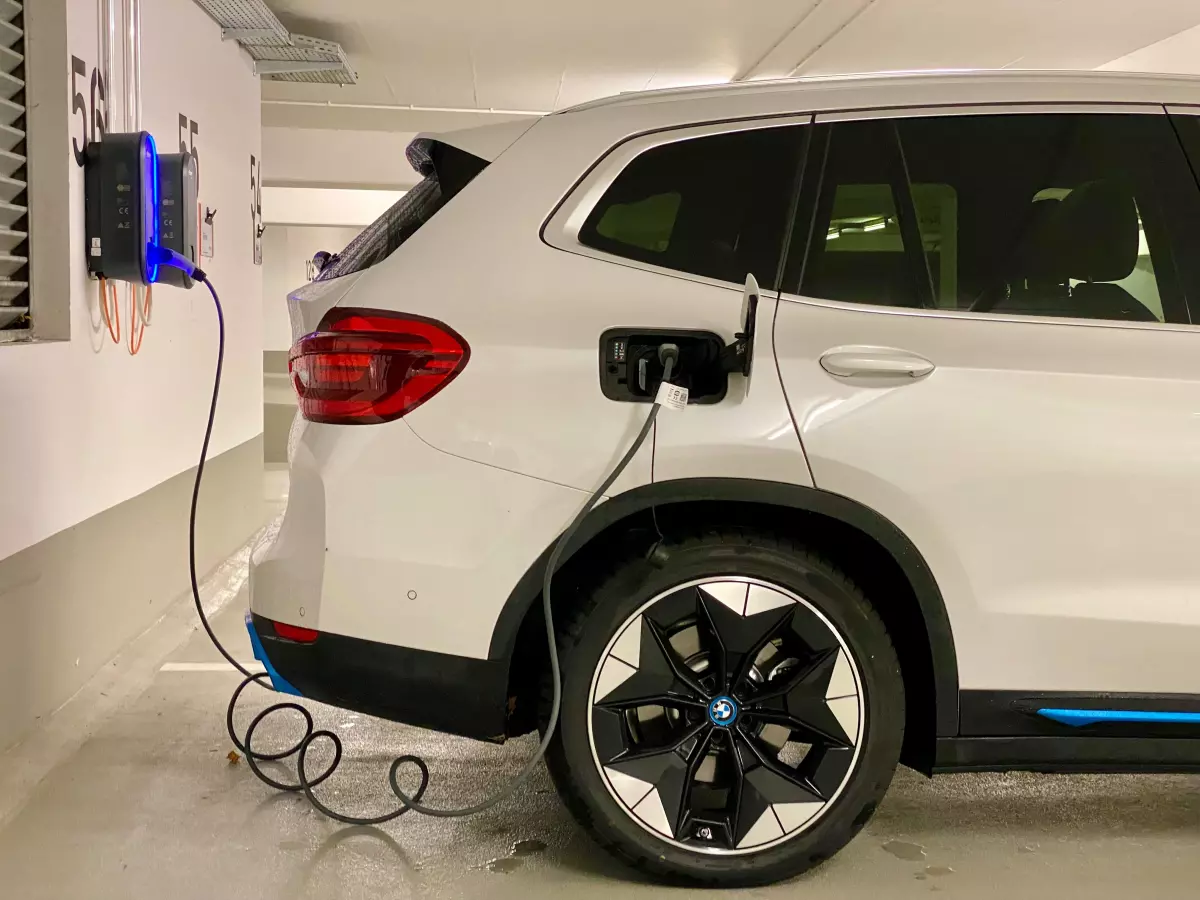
{"type": "Point", "coordinates": [402, 558]}
{"type": "Point", "coordinates": [455, 694]}
{"type": "Point", "coordinates": [392, 541]}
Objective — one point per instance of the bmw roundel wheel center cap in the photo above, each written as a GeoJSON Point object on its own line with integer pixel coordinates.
{"type": "Point", "coordinates": [723, 711]}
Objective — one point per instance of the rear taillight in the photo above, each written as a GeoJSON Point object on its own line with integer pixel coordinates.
{"type": "Point", "coordinates": [296, 633]}
{"type": "Point", "coordinates": [363, 366]}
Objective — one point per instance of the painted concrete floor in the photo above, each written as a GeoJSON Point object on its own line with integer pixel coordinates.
{"type": "Point", "coordinates": [149, 806]}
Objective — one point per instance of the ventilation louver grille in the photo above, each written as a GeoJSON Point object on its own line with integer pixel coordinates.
{"type": "Point", "coordinates": [279, 55]}
{"type": "Point", "coordinates": [14, 201]}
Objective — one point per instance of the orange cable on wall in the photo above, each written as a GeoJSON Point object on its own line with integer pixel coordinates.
{"type": "Point", "coordinates": [110, 311]}
{"type": "Point", "coordinates": [140, 315]}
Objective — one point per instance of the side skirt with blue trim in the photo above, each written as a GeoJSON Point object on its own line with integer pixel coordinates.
{"type": "Point", "coordinates": [1073, 732]}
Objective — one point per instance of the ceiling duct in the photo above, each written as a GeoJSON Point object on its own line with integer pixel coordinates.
{"type": "Point", "coordinates": [278, 54]}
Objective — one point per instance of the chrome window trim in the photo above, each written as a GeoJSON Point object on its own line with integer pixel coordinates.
{"type": "Point", "coordinates": [562, 229]}
{"type": "Point", "coordinates": [925, 112]}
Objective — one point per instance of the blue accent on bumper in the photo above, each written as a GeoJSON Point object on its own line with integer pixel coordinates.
{"type": "Point", "coordinates": [1077, 718]}
{"type": "Point", "coordinates": [278, 682]}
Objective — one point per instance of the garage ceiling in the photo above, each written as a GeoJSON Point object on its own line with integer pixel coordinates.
{"type": "Point", "coordinates": [539, 55]}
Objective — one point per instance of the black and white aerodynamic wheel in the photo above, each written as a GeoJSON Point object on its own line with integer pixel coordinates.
{"type": "Point", "coordinates": [731, 717]}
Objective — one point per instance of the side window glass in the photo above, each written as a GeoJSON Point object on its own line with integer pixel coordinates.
{"type": "Point", "coordinates": [857, 252]}
{"type": "Point", "coordinates": [864, 251]}
{"type": "Point", "coordinates": [1187, 126]}
{"type": "Point", "coordinates": [1042, 215]}
{"type": "Point", "coordinates": [712, 206]}
{"type": "Point", "coordinates": [645, 224]}
{"type": "Point", "coordinates": [936, 207]}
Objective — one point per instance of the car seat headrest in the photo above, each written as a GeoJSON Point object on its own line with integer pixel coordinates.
{"type": "Point", "coordinates": [1096, 232]}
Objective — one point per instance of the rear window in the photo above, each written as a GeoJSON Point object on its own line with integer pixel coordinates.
{"type": "Point", "coordinates": [447, 171]}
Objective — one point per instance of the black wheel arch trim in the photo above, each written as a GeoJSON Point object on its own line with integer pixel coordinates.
{"type": "Point", "coordinates": [769, 493]}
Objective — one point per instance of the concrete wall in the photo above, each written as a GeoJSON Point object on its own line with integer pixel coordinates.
{"type": "Point", "coordinates": [68, 604]}
{"type": "Point", "coordinates": [342, 207]}
{"type": "Point", "coordinates": [319, 158]}
{"type": "Point", "coordinates": [88, 427]}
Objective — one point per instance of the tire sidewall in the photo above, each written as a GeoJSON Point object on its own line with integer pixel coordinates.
{"type": "Point", "coordinates": [882, 700]}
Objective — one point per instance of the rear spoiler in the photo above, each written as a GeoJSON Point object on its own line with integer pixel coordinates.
{"type": "Point", "coordinates": [485, 141]}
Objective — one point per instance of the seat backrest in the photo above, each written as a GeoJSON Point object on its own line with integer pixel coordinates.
{"type": "Point", "coordinates": [1098, 229]}
{"type": "Point", "coordinates": [1090, 236]}
{"type": "Point", "coordinates": [1037, 283]}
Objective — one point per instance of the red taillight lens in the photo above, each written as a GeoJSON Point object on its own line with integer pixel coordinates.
{"type": "Point", "coordinates": [363, 366]}
{"type": "Point", "coordinates": [295, 633]}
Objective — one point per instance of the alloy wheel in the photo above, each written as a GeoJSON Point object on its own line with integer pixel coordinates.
{"type": "Point", "coordinates": [727, 715]}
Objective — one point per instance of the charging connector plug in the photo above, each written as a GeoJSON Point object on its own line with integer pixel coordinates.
{"type": "Point", "coordinates": [163, 256]}
{"type": "Point", "coordinates": [668, 358]}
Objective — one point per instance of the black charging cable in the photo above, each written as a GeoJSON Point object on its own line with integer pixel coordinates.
{"type": "Point", "coordinates": [669, 357]}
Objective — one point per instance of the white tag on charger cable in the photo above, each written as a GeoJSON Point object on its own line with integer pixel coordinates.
{"type": "Point", "coordinates": [672, 396]}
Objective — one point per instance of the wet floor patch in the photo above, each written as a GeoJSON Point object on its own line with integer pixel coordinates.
{"type": "Point", "coordinates": [504, 865]}
{"type": "Point", "coordinates": [905, 850]}
{"type": "Point", "coordinates": [527, 848]}
{"type": "Point", "coordinates": [938, 871]}
{"type": "Point", "coordinates": [516, 856]}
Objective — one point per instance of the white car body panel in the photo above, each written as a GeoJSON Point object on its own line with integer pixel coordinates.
{"type": "Point", "coordinates": [388, 539]}
{"type": "Point", "coordinates": [1021, 419]}
{"type": "Point", "coordinates": [749, 434]}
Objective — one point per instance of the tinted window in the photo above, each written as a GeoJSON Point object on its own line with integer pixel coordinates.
{"type": "Point", "coordinates": [1187, 124]}
{"type": "Point", "coordinates": [713, 206]}
{"type": "Point", "coordinates": [1052, 215]}
{"type": "Point", "coordinates": [858, 253]}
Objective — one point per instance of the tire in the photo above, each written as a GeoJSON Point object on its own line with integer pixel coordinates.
{"type": "Point", "coordinates": [789, 816]}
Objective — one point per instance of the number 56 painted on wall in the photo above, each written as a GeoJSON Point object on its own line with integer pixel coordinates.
{"type": "Point", "coordinates": [94, 121]}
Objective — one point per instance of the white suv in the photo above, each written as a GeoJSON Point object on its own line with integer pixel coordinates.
{"type": "Point", "coordinates": [949, 518]}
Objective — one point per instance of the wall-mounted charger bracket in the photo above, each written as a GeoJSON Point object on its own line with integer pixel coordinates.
{"type": "Point", "coordinates": [121, 207]}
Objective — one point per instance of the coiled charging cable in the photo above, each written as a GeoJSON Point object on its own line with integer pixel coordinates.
{"type": "Point", "coordinates": [668, 355]}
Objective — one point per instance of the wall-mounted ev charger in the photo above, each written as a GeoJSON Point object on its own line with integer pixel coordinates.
{"type": "Point", "coordinates": [138, 211]}
{"type": "Point", "coordinates": [121, 207]}
{"type": "Point", "coordinates": [177, 213]}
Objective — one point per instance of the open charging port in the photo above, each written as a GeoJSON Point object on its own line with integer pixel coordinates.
{"type": "Point", "coordinates": [630, 370]}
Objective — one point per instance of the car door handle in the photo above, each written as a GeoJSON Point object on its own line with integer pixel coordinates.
{"type": "Point", "coordinates": [875, 362]}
